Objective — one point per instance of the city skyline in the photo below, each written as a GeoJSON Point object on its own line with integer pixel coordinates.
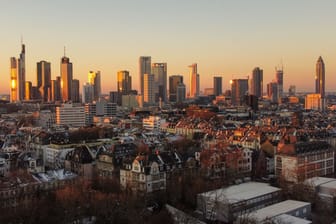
{"type": "Point", "coordinates": [222, 37]}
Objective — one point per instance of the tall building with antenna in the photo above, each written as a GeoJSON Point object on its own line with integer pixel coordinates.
{"type": "Point", "coordinates": [66, 78]}
{"type": "Point", "coordinates": [320, 77]}
{"type": "Point", "coordinates": [320, 80]}
{"type": "Point", "coordinates": [279, 81]}
{"type": "Point", "coordinates": [22, 73]}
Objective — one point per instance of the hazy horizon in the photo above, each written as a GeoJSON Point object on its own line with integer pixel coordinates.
{"type": "Point", "coordinates": [226, 38]}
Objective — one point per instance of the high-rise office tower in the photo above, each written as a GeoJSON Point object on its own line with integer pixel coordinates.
{"type": "Point", "coordinates": [44, 80]}
{"type": "Point", "coordinates": [273, 92]}
{"type": "Point", "coordinates": [144, 68]}
{"type": "Point", "coordinates": [56, 89]}
{"type": "Point", "coordinates": [95, 80]}
{"type": "Point", "coordinates": [217, 86]}
{"type": "Point", "coordinates": [174, 80]}
{"type": "Point", "coordinates": [75, 91]}
{"type": "Point", "coordinates": [279, 81]}
{"type": "Point", "coordinates": [88, 93]}
{"type": "Point", "coordinates": [22, 73]}
{"type": "Point", "coordinates": [292, 90]}
{"type": "Point", "coordinates": [239, 88]}
{"type": "Point", "coordinates": [180, 93]}
{"type": "Point", "coordinates": [149, 96]}
{"type": "Point", "coordinates": [194, 81]}
{"type": "Point", "coordinates": [66, 78]}
{"type": "Point", "coordinates": [28, 89]}
{"type": "Point", "coordinates": [124, 82]}
{"type": "Point", "coordinates": [14, 80]}
{"type": "Point", "coordinates": [256, 83]}
{"type": "Point", "coordinates": [159, 70]}
{"type": "Point", "coordinates": [320, 77]}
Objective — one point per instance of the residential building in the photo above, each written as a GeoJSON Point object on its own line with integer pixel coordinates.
{"type": "Point", "coordinates": [295, 162]}
{"type": "Point", "coordinates": [143, 175]}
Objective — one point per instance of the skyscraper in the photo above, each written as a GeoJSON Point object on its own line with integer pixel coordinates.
{"type": "Point", "coordinates": [94, 79]}
{"type": "Point", "coordinates": [44, 80]}
{"type": "Point", "coordinates": [194, 81]}
{"type": "Point", "coordinates": [273, 92]}
{"type": "Point", "coordinates": [180, 93]}
{"type": "Point", "coordinates": [88, 93]}
{"type": "Point", "coordinates": [174, 80]}
{"type": "Point", "coordinates": [279, 81]}
{"type": "Point", "coordinates": [320, 77]}
{"type": "Point", "coordinates": [159, 70]}
{"type": "Point", "coordinates": [22, 73]}
{"type": "Point", "coordinates": [239, 88]}
{"type": "Point", "coordinates": [14, 80]}
{"type": "Point", "coordinates": [75, 91]}
{"type": "Point", "coordinates": [217, 86]}
{"type": "Point", "coordinates": [149, 96]}
{"type": "Point", "coordinates": [144, 68]}
{"type": "Point", "coordinates": [256, 83]}
{"type": "Point", "coordinates": [56, 89]}
{"type": "Point", "coordinates": [28, 89]}
{"type": "Point", "coordinates": [66, 78]}
{"type": "Point", "coordinates": [124, 82]}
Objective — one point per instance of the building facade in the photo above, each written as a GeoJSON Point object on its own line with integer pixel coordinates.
{"type": "Point", "coordinates": [159, 70]}
{"type": "Point", "coordinates": [43, 78]}
{"type": "Point", "coordinates": [69, 115]}
{"type": "Point", "coordinates": [174, 80]}
{"type": "Point", "coordinates": [239, 88]}
{"type": "Point", "coordinates": [217, 86]}
{"type": "Point", "coordinates": [144, 68]}
{"type": "Point", "coordinates": [194, 81]}
{"type": "Point", "coordinates": [256, 83]}
{"type": "Point", "coordinates": [66, 79]}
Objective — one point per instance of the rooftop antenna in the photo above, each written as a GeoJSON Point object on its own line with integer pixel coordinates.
{"type": "Point", "coordinates": [21, 39]}
{"type": "Point", "coordinates": [64, 51]}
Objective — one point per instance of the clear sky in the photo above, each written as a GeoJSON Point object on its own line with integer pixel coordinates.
{"type": "Point", "coordinates": [227, 38]}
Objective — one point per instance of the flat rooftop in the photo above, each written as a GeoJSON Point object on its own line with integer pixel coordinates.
{"type": "Point", "coordinates": [241, 192]}
{"type": "Point", "coordinates": [284, 218]}
{"type": "Point", "coordinates": [317, 181]}
{"type": "Point", "coordinates": [278, 209]}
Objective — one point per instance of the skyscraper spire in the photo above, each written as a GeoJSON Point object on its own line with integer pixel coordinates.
{"type": "Point", "coordinates": [64, 52]}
